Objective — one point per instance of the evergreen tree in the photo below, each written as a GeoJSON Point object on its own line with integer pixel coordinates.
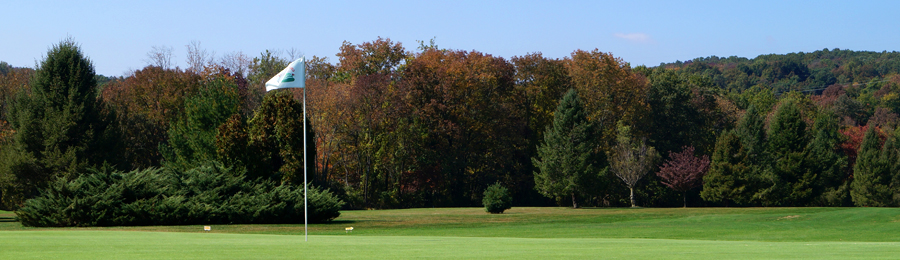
{"type": "Point", "coordinates": [739, 161]}
{"type": "Point", "coordinates": [60, 126]}
{"type": "Point", "coordinates": [822, 156]}
{"type": "Point", "coordinates": [890, 155]}
{"type": "Point", "coordinates": [789, 182]}
{"type": "Point", "coordinates": [192, 137]}
{"type": "Point", "coordinates": [566, 159]}
{"type": "Point", "coordinates": [871, 174]}
{"type": "Point", "coordinates": [726, 180]}
{"type": "Point", "coordinates": [750, 130]}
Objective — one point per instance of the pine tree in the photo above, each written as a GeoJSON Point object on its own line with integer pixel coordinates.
{"type": "Point", "coordinates": [726, 180]}
{"type": "Point", "coordinates": [60, 126]}
{"type": "Point", "coordinates": [739, 161]}
{"type": "Point", "coordinates": [192, 137]}
{"type": "Point", "coordinates": [822, 156]}
{"type": "Point", "coordinates": [566, 159]}
{"type": "Point", "coordinates": [789, 183]}
{"type": "Point", "coordinates": [871, 175]}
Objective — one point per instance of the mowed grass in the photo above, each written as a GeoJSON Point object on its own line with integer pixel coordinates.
{"type": "Point", "coordinates": [530, 233]}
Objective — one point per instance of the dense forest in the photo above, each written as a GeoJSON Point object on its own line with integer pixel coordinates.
{"type": "Point", "coordinates": [392, 127]}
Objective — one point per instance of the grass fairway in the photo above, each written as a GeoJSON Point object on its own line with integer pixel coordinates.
{"type": "Point", "coordinates": [530, 233]}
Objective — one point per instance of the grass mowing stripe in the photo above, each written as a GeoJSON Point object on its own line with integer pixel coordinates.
{"type": "Point", "coordinates": [755, 224]}
{"type": "Point", "coordinates": [165, 245]}
{"type": "Point", "coordinates": [732, 224]}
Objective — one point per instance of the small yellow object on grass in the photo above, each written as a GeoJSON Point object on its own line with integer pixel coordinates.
{"type": "Point", "coordinates": [347, 230]}
{"type": "Point", "coordinates": [207, 228]}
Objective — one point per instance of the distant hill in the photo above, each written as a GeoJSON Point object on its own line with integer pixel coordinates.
{"type": "Point", "coordinates": [801, 71]}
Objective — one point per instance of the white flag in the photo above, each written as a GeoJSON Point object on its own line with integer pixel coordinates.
{"type": "Point", "coordinates": [294, 76]}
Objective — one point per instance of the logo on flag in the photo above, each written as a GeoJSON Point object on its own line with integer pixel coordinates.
{"type": "Point", "coordinates": [294, 76]}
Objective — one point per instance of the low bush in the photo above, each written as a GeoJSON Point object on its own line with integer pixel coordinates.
{"type": "Point", "coordinates": [496, 199]}
{"type": "Point", "coordinates": [208, 194]}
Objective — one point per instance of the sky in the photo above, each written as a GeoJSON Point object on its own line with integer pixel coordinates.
{"type": "Point", "coordinates": [117, 35]}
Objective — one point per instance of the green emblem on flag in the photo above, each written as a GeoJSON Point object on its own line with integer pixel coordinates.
{"type": "Point", "coordinates": [288, 78]}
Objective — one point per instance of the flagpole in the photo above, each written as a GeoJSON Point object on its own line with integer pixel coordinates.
{"type": "Point", "coordinates": [305, 165]}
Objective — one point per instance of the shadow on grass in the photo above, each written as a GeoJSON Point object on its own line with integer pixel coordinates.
{"type": "Point", "coordinates": [8, 219]}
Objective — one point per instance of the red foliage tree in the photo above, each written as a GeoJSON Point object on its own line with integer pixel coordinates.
{"type": "Point", "coordinates": [684, 171]}
{"type": "Point", "coordinates": [854, 136]}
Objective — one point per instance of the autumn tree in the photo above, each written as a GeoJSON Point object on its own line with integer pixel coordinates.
{"type": "Point", "coordinates": [611, 91]}
{"type": "Point", "coordinates": [566, 164]}
{"type": "Point", "coordinates": [60, 126]}
{"type": "Point", "coordinates": [684, 171]}
{"type": "Point", "coordinates": [631, 158]}
{"type": "Point", "coordinates": [270, 144]}
{"type": "Point", "coordinates": [12, 80]}
{"type": "Point", "coordinates": [540, 84]}
{"type": "Point", "coordinates": [145, 103]}
{"type": "Point", "coordinates": [463, 105]}
{"type": "Point", "coordinates": [381, 56]}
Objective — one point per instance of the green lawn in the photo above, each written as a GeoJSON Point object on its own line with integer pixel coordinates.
{"type": "Point", "coordinates": [531, 233]}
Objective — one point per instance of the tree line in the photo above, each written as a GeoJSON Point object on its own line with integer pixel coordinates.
{"type": "Point", "coordinates": [434, 127]}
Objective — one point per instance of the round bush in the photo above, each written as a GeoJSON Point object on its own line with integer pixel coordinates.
{"type": "Point", "coordinates": [496, 199]}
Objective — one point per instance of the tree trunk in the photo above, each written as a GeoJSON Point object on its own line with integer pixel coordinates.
{"type": "Point", "coordinates": [574, 203]}
{"type": "Point", "coordinates": [684, 198]}
{"type": "Point", "coordinates": [632, 197]}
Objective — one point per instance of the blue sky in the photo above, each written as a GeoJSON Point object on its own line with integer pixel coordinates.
{"type": "Point", "coordinates": [117, 35]}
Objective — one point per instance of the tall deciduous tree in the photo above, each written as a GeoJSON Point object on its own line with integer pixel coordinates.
{"type": "Point", "coordinates": [566, 160]}
{"type": "Point", "coordinates": [463, 106]}
{"type": "Point", "coordinates": [269, 145]}
{"type": "Point", "coordinates": [611, 91]}
{"type": "Point", "coordinates": [145, 103]}
{"type": "Point", "coordinates": [682, 110]}
{"type": "Point", "coordinates": [631, 159]}
{"type": "Point", "coordinates": [60, 125]}
{"type": "Point", "coordinates": [684, 171]}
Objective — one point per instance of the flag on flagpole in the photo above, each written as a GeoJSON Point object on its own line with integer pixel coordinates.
{"type": "Point", "coordinates": [294, 76]}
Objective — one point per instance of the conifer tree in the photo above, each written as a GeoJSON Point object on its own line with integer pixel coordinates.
{"type": "Point", "coordinates": [738, 162]}
{"type": "Point", "coordinates": [566, 160]}
{"type": "Point", "coordinates": [60, 126]}
{"type": "Point", "coordinates": [192, 137]}
{"type": "Point", "coordinates": [726, 180]}
{"type": "Point", "coordinates": [789, 183]}
{"type": "Point", "coordinates": [822, 156]}
{"type": "Point", "coordinates": [871, 175]}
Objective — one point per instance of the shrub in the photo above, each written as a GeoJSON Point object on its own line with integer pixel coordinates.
{"type": "Point", "coordinates": [208, 194]}
{"type": "Point", "coordinates": [496, 199]}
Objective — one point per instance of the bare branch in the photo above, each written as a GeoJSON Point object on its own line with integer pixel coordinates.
{"type": "Point", "coordinates": [236, 62]}
{"type": "Point", "coordinates": [197, 57]}
{"type": "Point", "coordinates": [161, 56]}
